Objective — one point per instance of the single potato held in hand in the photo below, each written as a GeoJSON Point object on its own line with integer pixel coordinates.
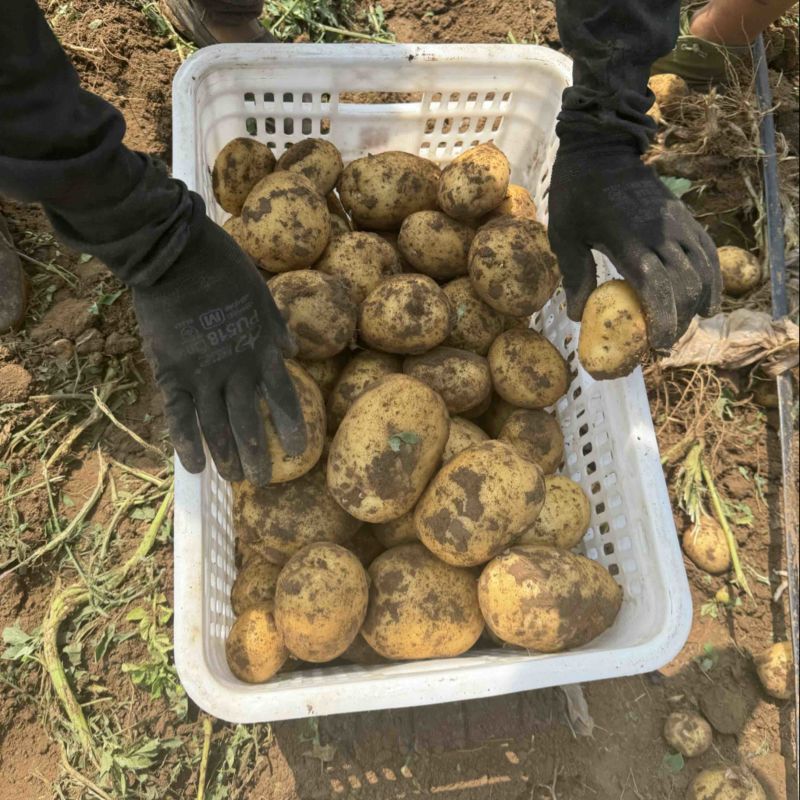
{"type": "Point", "coordinates": [254, 649]}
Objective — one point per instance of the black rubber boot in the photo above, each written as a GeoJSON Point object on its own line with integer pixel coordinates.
{"type": "Point", "coordinates": [192, 21]}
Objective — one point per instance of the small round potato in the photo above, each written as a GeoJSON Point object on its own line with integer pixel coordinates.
{"type": "Point", "coordinates": [512, 267]}
{"type": "Point", "coordinates": [547, 599]}
{"type": "Point", "coordinates": [726, 783]}
{"type": "Point", "coordinates": [365, 546]}
{"type": "Point", "coordinates": [474, 182]}
{"type": "Point", "coordinates": [478, 503]}
{"type": "Point", "coordinates": [361, 260]}
{"type": "Point", "coordinates": [254, 584]}
{"type": "Point", "coordinates": [397, 531]}
{"type": "Point", "coordinates": [669, 90]}
{"type": "Point", "coordinates": [476, 324]}
{"type": "Point", "coordinates": [461, 378]}
{"type": "Point", "coordinates": [463, 434]}
{"type": "Point", "coordinates": [254, 649]}
{"type": "Point", "coordinates": [238, 167]}
{"type": "Point", "coordinates": [435, 245]}
{"type": "Point", "coordinates": [315, 159]}
{"type": "Point", "coordinates": [565, 515]}
{"type": "Point", "coordinates": [381, 191]}
{"type": "Point", "coordinates": [775, 672]}
{"type": "Point", "coordinates": [406, 314]}
{"type": "Point", "coordinates": [420, 607]}
{"type": "Point", "coordinates": [706, 545]}
{"type": "Point", "coordinates": [286, 222]}
{"type": "Point", "coordinates": [688, 733]}
{"type": "Point", "coordinates": [527, 370]}
{"type": "Point", "coordinates": [494, 418]}
{"type": "Point", "coordinates": [535, 435]}
{"type": "Point", "coordinates": [321, 601]}
{"type": "Point", "coordinates": [318, 310]}
{"type": "Point", "coordinates": [741, 271]}
{"type": "Point", "coordinates": [326, 372]}
{"type": "Point", "coordinates": [517, 203]}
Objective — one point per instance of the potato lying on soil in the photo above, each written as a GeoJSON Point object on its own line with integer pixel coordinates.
{"type": "Point", "coordinates": [517, 203]}
{"type": "Point", "coordinates": [706, 545]}
{"type": "Point", "coordinates": [315, 159]}
{"type": "Point", "coordinates": [670, 90]}
{"type": "Point", "coordinates": [527, 370]}
{"type": "Point", "coordinates": [463, 434]}
{"type": "Point", "coordinates": [613, 338]}
{"type": "Point", "coordinates": [286, 222]}
{"type": "Point", "coordinates": [460, 377]}
{"type": "Point", "coordinates": [318, 310]}
{"type": "Point", "coordinates": [380, 191]}
{"type": "Point", "coordinates": [387, 448]}
{"type": "Point", "coordinates": [547, 599]}
{"type": "Point", "coordinates": [397, 531]}
{"type": "Point", "coordinates": [535, 435]}
{"type": "Point", "coordinates": [254, 584]}
{"type": "Point", "coordinates": [254, 649]}
{"type": "Point", "coordinates": [420, 607]}
{"type": "Point", "coordinates": [405, 314]}
{"type": "Point", "coordinates": [476, 324]}
{"type": "Point", "coordinates": [326, 371]}
{"type": "Point", "coordinates": [478, 503]}
{"type": "Point", "coordinates": [435, 244]}
{"type": "Point", "coordinates": [565, 515]}
{"type": "Point", "coordinates": [512, 267]}
{"type": "Point", "coordinates": [361, 653]}
{"type": "Point", "coordinates": [321, 601]}
{"type": "Point", "coordinates": [362, 260]}
{"type": "Point", "coordinates": [725, 783]}
{"type": "Point", "coordinates": [474, 183]}
{"type": "Point", "coordinates": [688, 733]}
{"type": "Point", "coordinates": [774, 666]}
{"type": "Point", "coordinates": [365, 546]}
{"type": "Point", "coordinates": [238, 167]}
{"type": "Point", "coordinates": [494, 418]}
{"type": "Point", "coordinates": [741, 271]}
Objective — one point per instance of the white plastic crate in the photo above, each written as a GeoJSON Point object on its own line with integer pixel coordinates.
{"type": "Point", "coordinates": [444, 99]}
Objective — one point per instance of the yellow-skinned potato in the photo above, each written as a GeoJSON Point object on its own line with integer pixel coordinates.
{"type": "Point", "coordinates": [380, 191]}
{"type": "Point", "coordinates": [235, 229]}
{"type": "Point", "coordinates": [527, 370]}
{"type": "Point", "coordinates": [613, 337]}
{"type": "Point", "coordinates": [397, 531]}
{"type": "Point", "coordinates": [286, 222]}
{"type": "Point", "coordinates": [547, 599]}
{"type": "Point", "coordinates": [406, 314]}
{"type": "Point", "coordinates": [474, 183]}
{"type": "Point", "coordinates": [726, 782]}
{"type": "Point", "coordinates": [254, 584]}
{"type": "Point", "coordinates": [365, 546]}
{"type": "Point", "coordinates": [435, 245]}
{"type": "Point", "coordinates": [463, 434]}
{"type": "Point", "coordinates": [774, 666]}
{"type": "Point", "coordinates": [706, 545]}
{"type": "Point", "coordinates": [326, 371]}
{"type": "Point", "coordinates": [476, 325]}
{"type": "Point", "coordinates": [741, 272]}
{"type": "Point", "coordinates": [536, 435]}
{"type": "Point", "coordinates": [688, 733]}
{"type": "Point", "coordinates": [315, 159]}
{"type": "Point", "coordinates": [494, 418]}
{"type": "Point", "coordinates": [420, 607]}
{"type": "Point", "coordinates": [512, 267]}
{"type": "Point", "coordinates": [254, 649]}
{"type": "Point", "coordinates": [517, 203]}
{"type": "Point", "coordinates": [669, 90]}
{"type": "Point", "coordinates": [362, 260]}
{"type": "Point", "coordinates": [387, 448]}
{"type": "Point", "coordinates": [238, 167]}
{"type": "Point", "coordinates": [460, 377]}
{"type": "Point", "coordinates": [478, 503]}
{"type": "Point", "coordinates": [321, 601]}
{"type": "Point", "coordinates": [565, 515]}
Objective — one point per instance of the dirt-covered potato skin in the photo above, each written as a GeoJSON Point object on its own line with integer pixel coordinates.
{"type": "Point", "coordinates": [254, 649]}
{"type": "Point", "coordinates": [774, 667]}
{"type": "Point", "coordinates": [706, 546]}
{"type": "Point", "coordinates": [741, 272]}
{"type": "Point", "coordinates": [512, 267]}
{"type": "Point", "coordinates": [495, 415]}
{"type": "Point", "coordinates": [517, 203]}
{"type": "Point", "coordinates": [536, 435]}
{"type": "Point", "coordinates": [238, 167]}
{"type": "Point", "coordinates": [726, 782]}
{"type": "Point", "coordinates": [254, 584]}
{"type": "Point", "coordinates": [320, 601]}
{"type": "Point", "coordinates": [286, 222]}
{"type": "Point", "coordinates": [325, 371]}
{"type": "Point", "coordinates": [387, 448]}
{"type": "Point", "coordinates": [474, 183]}
{"type": "Point", "coordinates": [318, 310]}
{"type": "Point", "coordinates": [463, 434]}
{"type": "Point", "coordinates": [527, 370]}
{"type": "Point", "coordinates": [688, 733]}
{"type": "Point", "coordinates": [315, 159]}
{"type": "Point", "coordinates": [406, 314]}
{"type": "Point", "coordinates": [420, 607]}
{"type": "Point", "coordinates": [380, 191]}
{"type": "Point", "coordinates": [435, 245]}
{"type": "Point", "coordinates": [460, 377]}
{"type": "Point", "coordinates": [476, 325]}
{"type": "Point", "coordinates": [478, 503]}
{"type": "Point", "coordinates": [365, 545]}
{"type": "Point", "coordinates": [397, 531]}
{"type": "Point", "coordinates": [565, 515]}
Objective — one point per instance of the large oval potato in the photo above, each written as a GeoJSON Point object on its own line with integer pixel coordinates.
{"type": "Point", "coordinates": [238, 167]}
{"type": "Point", "coordinates": [476, 325]}
{"type": "Point", "coordinates": [535, 435]}
{"type": "Point", "coordinates": [478, 503]}
{"type": "Point", "coordinates": [512, 267]}
{"type": "Point", "coordinates": [473, 183]}
{"type": "Point", "coordinates": [774, 667]}
{"type": "Point", "coordinates": [546, 599]}
{"type": "Point", "coordinates": [386, 449]}
{"type": "Point", "coordinates": [527, 370]}
{"type": "Point", "coordinates": [435, 245]}
{"type": "Point", "coordinates": [315, 159]}
{"type": "Point", "coordinates": [517, 203]}
{"type": "Point", "coordinates": [460, 377]}
{"type": "Point", "coordinates": [326, 372]}
{"type": "Point", "coordinates": [420, 607]}
{"type": "Point", "coordinates": [254, 649]}
{"type": "Point", "coordinates": [706, 545]}
{"type": "Point", "coordinates": [286, 222]}
{"type": "Point", "coordinates": [380, 191]}
{"type": "Point", "coordinates": [396, 531]}
{"type": "Point", "coordinates": [405, 314]}
{"type": "Point", "coordinates": [725, 782]}
{"type": "Point", "coordinates": [565, 515]}
{"type": "Point", "coordinates": [463, 434]}
{"type": "Point", "coordinates": [254, 584]}
{"type": "Point", "coordinates": [321, 601]}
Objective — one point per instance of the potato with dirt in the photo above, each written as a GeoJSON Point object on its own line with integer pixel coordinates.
{"type": "Point", "coordinates": [435, 245]}
{"type": "Point", "coordinates": [478, 504]}
{"type": "Point", "coordinates": [565, 515]}
{"type": "Point", "coordinates": [476, 325]}
{"type": "Point", "coordinates": [741, 271]}
{"type": "Point", "coordinates": [380, 191]}
{"type": "Point", "coordinates": [406, 314]}
{"type": "Point", "coordinates": [497, 413]}
{"type": "Point", "coordinates": [688, 732]}
{"type": "Point", "coordinates": [474, 182]}
{"type": "Point", "coordinates": [517, 203]}
{"type": "Point", "coordinates": [387, 448]}
{"type": "Point", "coordinates": [670, 91]}
{"type": "Point", "coordinates": [397, 531]}
{"type": "Point", "coordinates": [255, 649]}
{"type": "Point", "coordinates": [238, 167]}
{"type": "Point", "coordinates": [325, 372]}
{"type": "Point", "coordinates": [420, 607]}
{"type": "Point", "coordinates": [707, 547]}
{"type": "Point", "coordinates": [365, 546]}
{"type": "Point", "coordinates": [775, 670]}
{"type": "Point", "coordinates": [315, 159]}
{"type": "Point", "coordinates": [547, 599]}
{"type": "Point", "coordinates": [463, 434]}
{"type": "Point", "coordinates": [725, 782]}
{"type": "Point", "coordinates": [254, 584]}
{"type": "Point", "coordinates": [536, 435]}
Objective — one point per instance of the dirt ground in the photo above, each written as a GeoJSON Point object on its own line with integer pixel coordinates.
{"type": "Point", "coordinates": [102, 490]}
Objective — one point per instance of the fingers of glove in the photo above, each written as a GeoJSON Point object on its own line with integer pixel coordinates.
{"type": "Point", "coordinates": [707, 246]}
{"type": "Point", "coordinates": [649, 278]}
{"type": "Point", "coordinates": [579, 275]}
{"type": "Point", "coordinates": [708, 272]}
{"type": "Point", "coordinates": [183, 430]}
{"type": "Point", "coordinates": [284, 405]}
{"type": "Point", "coordinates": [247, 425]}
{"type": "Point", "coordinates": [279, 330]}
{"type": "Point", "coordinates": [213, 415]}
{"type": "Point", "coordinates": [687, 286]}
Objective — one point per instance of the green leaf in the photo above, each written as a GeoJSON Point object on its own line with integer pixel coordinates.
{"type": "Point", "coordinates": [107, 637]}
{"type": "Point", "coordinates": [709, 609]}
{"type": "Point", "coordinates": [144, 513]}
{"type": "Point", "coordinates": [405, 437]}
{"type": "Point", "coordinates": [73, 652]}
{"type": "Point", "coordinates": [678, 186]}
{"type": "Point", "coordinates": [21, 645]}
{"type": "Point", "coordinates": [673, 763]}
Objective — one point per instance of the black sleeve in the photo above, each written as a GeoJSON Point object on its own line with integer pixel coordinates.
{"type": "Point", "coordinates": [613, 44]}
{"type": "Point", "coordinates": [62, 146]}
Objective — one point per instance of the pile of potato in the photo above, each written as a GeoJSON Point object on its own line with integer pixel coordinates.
{"type": "Point", "coordinates": [426, 505]}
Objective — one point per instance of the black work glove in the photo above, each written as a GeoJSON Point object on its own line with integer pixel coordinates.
{"type": "Point", "coordinates": [603, 197]}
{"type": "Point", "coordinates": [217, 342]}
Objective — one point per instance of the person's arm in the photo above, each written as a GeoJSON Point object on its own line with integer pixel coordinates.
{"type": "Point", "coordinates": [207, 320]}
